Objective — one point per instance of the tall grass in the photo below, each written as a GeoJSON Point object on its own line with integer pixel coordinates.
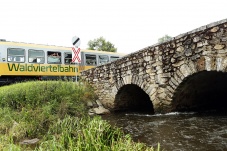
{"type": "Point", "coordinates": [91, 134]}
{"type": "Point", "coordinates": [58, 95]}
{"type": "Point", "coordinates": [55, 112]}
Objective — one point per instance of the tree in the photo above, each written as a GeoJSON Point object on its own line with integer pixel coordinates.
{"type": "Point", "coordinates": [101, 44]}
{"type": "Point", "coordinates": [164, 39]}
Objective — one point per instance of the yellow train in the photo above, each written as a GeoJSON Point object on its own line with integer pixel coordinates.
{"type": "Point", "coordinates": [25, 61]}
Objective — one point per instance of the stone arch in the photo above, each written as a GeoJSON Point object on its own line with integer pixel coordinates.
{"type": "Point", "coordinates": [133, 98]}
{"type": "Point", "coordinates": [201, 91]}
{"type": "Point", "coordinates": [215, 66]}
{"type": "Point", "coordinates": [180, 74]}
{"type": "Point", "coordinates": [191, 67]}
{"type": "Point", "coordinates": [203, 70]}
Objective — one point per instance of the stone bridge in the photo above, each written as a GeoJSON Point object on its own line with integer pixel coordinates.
{"type": "Point", "coordinates": [187, 73]}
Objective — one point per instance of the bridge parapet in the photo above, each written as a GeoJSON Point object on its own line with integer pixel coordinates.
{"type": "Point", "coordinates": [159, 69]}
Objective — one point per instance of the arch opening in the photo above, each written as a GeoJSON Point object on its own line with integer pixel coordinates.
{"type": "Point", "coordinates": [131, 97]}
{"type": "Point", "coordinates": [204, 91]}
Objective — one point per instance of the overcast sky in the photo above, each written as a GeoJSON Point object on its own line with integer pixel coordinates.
{"type": "Point", "coordinates": [129, 24]}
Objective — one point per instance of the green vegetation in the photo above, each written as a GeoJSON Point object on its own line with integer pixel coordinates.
{"type": "Point", "coordinates": [101, 44]}
{"type": "Point", "coordinates": [164, 39]}
{"type": "Point", "coordinates": [55, 112]}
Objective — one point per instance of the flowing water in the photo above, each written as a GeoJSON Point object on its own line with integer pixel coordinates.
{"type": "Point", "coordinates": [175, 131]}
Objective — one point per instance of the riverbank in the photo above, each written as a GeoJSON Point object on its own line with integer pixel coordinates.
{"type": "Point", "coordinates": [52, 115]}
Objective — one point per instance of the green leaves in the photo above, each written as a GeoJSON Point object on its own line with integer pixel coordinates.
{"type": "Point", "coordinates": [101, 44]}
{"type": "Point", "coordinates": [164, 39]}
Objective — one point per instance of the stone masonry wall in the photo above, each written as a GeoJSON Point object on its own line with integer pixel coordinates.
{"type": "Point", "coordinates": [160, 68]}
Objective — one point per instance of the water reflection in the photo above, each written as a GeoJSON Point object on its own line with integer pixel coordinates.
{"type": "Point", "coordinates": [175, 131]}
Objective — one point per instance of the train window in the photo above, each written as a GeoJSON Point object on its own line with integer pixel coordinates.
{"type": "Point", "coordinates": [53, 57]}
{"type": "Point", "coordinates": [68, 58]}
{"type": "Point", "coordinates": [16, 55]}
{"type": "Point", "coordinates": [103, 59]}
{"type": "Point", "coordinates": [90, 59]}
{"type": "Point", "coordinates": [36, 56]}
{"type": "Point", "coordinates": [113, 58]}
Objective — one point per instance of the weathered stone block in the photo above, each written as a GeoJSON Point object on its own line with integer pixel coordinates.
{"type": "Point", "coordinates": [199, 44]}
{"type": "Point", "coordinates": [185, 70]}
{"type": "Point", "coordinates": [178, 64]}
{"type": "Point", "coordinates": [180, 49]}
{"type": "Point", "coordinates": [174, 81]}
{"type": "Point", "coordinates": [200, 64]}
{"type": "Point", "coordinates": [170, 89]}
{"type": "Point", "coordinates": [219, 46]}
{"type": "Point", "coordinates": [196, 39]}
{"type": "Point", "coordinates": [214, 29]}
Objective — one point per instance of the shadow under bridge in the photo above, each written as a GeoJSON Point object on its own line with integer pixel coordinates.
{"type": "Point", "coordinates": [131, 97]}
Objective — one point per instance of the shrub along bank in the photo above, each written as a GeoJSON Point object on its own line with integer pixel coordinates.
{"type": "Point", "coordinates": [54, 114]}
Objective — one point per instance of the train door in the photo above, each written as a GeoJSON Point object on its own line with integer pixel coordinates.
{"type": "Point", "coordinates": [3, 51]}
{"type": "Point", "coordinates": [82, 59]}
{"type": "Point", "coordinates": [3, 54]}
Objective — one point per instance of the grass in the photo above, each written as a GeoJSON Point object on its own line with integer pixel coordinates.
{"type": "Point", "coordinates": [55, 112]}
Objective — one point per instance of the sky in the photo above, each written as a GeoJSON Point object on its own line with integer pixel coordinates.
{"type": "Point", "coordinates": [130, 25]}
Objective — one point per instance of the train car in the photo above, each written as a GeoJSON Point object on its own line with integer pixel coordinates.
{"type": "Point", "coordinates": [26, 61]}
